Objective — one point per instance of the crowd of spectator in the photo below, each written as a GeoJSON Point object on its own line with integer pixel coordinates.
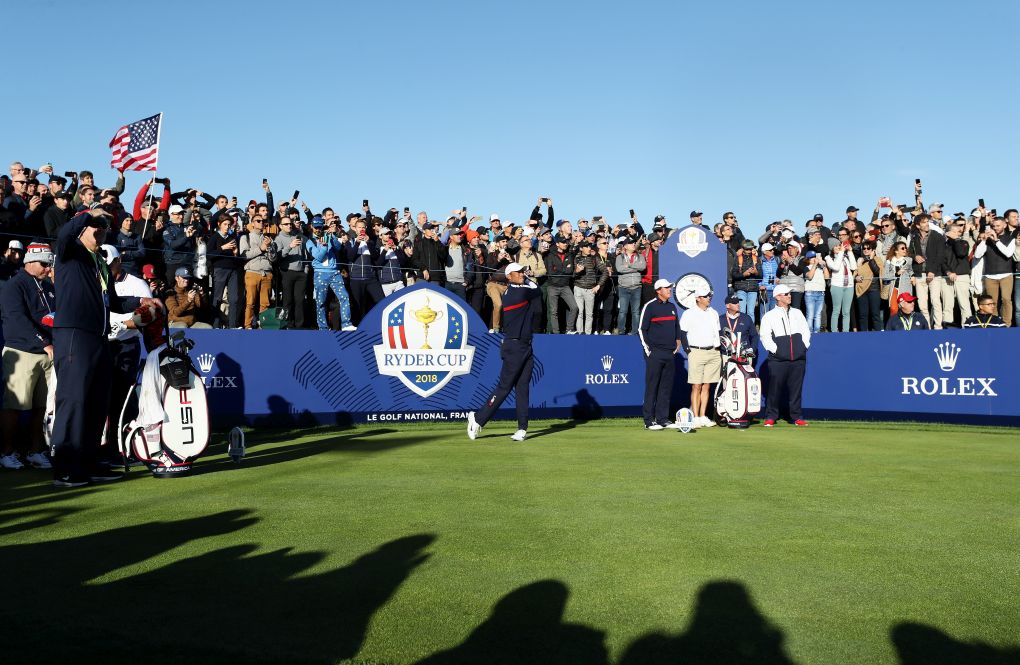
{"type": "Point", "coordinates": [280, 264]}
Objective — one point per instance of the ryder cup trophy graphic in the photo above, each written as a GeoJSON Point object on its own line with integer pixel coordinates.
{"type": "Point", "coordinates": [426, 316]}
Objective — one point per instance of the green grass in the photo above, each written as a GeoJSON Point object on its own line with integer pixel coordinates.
{"type": "Point", "coordinates": [842, 543]}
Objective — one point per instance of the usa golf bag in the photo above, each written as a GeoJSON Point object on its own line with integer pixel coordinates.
{"type": "Point", "coordinates": [172, 427]}
{"type": "Point", "coordinates": [738, 395]}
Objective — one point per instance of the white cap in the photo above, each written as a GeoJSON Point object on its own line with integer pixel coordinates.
{"type": "Point", "coordinates": [787, 233]}
{"type": "Point", "coordinates": [16, 244]}
{"type": "Point", "coordinates": [767, 247]}
{"type": "Point", "coordinates": [662, 284]}
{"type": "Point", "coordinates": [111, 253]}
{"type": "Point", "coordinates": [513, 267]}
{"type": "Point", "coordinates": [494, 217]}
{"type": "Point", "coordinates": [702, 292]}
{"type": "Point", "coordinates": [794, 243]}
{"type": "Point", "coordinates": [174, 209]}
{"type": "Point", "coordinates": [528, 231]}
{"type": "Point", "coordinates": [781, 290]}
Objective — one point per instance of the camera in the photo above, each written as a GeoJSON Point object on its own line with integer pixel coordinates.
{"type": "Point", "coordinates": [71, 174]}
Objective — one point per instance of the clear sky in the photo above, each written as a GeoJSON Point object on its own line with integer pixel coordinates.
{"type": "Point", "coordinates": [772, 110]}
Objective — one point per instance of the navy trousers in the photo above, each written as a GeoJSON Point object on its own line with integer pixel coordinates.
{"type": "Point", "coordinates": [659, 373]}
{"type": "Point", "coordinates": [518, 361]}
{"type": "Point", "coordinates": [784, 375]}
{"type": "Point", "coordinates": [83, 367]}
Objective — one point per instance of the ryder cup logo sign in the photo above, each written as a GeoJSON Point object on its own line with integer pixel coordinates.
{"type": "Point", "coordinates": [946, 354]}
{"type": "Point", "coordinates": [424, 341]}
{"type": "Point", "coordinates": [692, 241]}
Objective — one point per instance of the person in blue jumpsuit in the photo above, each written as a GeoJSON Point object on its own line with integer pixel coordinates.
{"type": "Point", "coordinates": [521, 301]}
{"type": "Point", "coordinates": [327, 253]}
{"type": "Point", "coordinates": [81, 351]}
{"type": "Point", "coordinates": [659, 330]}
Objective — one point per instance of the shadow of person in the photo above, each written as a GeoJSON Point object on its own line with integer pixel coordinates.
{"type": "Point", "coordinates": [280, 414]}
{"type": "Point", "coordinates": [918, 644]}
{"type": "Point", "coordinates": [526, 626]}
{"type": "Point", "coordinates": [233, 604]}
{"type": "Point", "coordinates": [726, 629]}
{"type": "Point", "coordinates": [225, 393]}
{"type": "Point", "coordinates": [587, 407]}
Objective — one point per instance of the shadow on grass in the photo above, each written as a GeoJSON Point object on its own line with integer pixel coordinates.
{"type": "Point", "coordinates": [726, 628]}
{"type": "Point", "coordinates": [356, 441]}
{"type": "Point", "coordinates": [233, 604]}
{"type": "Point", "coordinates": [554, 428]}
{"type": "Point", "coordinates": [29, 493]}
{"type": "Point", "coordinates": [917, 644]}
{"type": "Point", "coordinates": [526, 626]}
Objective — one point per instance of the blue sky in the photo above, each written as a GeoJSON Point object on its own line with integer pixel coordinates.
{"type": "Point", "coordinates": [772, 110]}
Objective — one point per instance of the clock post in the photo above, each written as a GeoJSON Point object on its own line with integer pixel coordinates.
{"type": "Point", "coordinates": [690, 258]}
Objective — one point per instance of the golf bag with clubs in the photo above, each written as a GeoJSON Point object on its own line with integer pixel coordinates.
{"type": "Point", "coordinates": [738, 395]}
{"type": "Point", "coordinates": [172, 426]}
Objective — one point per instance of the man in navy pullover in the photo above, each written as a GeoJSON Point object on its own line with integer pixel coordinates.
{"type": "Point", "coordinates": [27, 303]}
{"type": "Point", "coordinates": [81, 352]}
{"type": "Point", "coordinates": [521, 301]}
{"type": "Point", "coordinates": [659, 329]}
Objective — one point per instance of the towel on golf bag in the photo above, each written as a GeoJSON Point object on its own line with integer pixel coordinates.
{"type": "Point", "coordinates": [150, 392]}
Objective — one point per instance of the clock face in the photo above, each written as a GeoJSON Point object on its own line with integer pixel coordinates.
{"type": "Point", "coordinates": [684, 288]}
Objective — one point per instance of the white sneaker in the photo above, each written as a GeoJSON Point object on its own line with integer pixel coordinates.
{"type": "Point", "coordinates": [472, 427]}
{"type": "Point", "coordinates": [39, 461]}
{"type": "Point", "coordinates": [349, 328]}
{"type": "Point", "coordinates": [519, 435]}
{"type": "Point", "coordinates": [671, 425]}
{"type": "Point", "coordinates": [11, 462]}
{"type": "Point", "coordinates": [572, 332]}
{"type": "Point", "coordinates": [654, 427]}
{"type": "Point", "coordinates": [492, 331]}
{"type": "Point", "coordinates": [707, 422]}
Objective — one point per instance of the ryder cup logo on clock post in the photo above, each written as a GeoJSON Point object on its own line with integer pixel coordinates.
{"type": "Point", "coordinates": [692, 241]}
{"type": "Point", "coordinates": [424, 341]}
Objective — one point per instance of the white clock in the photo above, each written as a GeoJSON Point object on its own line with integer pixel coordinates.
{"type": "Point", "coordinates": [685, 287]}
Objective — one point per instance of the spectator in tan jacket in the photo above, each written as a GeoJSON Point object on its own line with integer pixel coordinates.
{"type": "Point", "coordinates": [186, 303]}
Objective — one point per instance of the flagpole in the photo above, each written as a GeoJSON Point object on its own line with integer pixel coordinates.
{"type": "Point", "coordinates": [155, 171]}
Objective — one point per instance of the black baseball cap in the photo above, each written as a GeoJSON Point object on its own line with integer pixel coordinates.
{"type": "Point", "coordinates": [818, 216]}
{"type": "Point", "coordinates": [852, 209]}
{"type": "Point", "coordinates": [732, 300]}
{"type": "Point", "coordinates": [696, 213]}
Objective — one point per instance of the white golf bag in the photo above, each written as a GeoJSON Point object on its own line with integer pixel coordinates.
{"type": "Point", "coordinates": [738, 395]}
{"type": "Point", "coordinates": [172, 427]}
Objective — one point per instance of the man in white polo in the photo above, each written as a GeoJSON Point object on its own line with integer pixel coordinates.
{"type": "Point", "coordinates": [699, 334]}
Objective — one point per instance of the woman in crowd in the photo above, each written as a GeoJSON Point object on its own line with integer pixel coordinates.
{"type": "Point", "coordinates": [842, 266]}
{"type": "Point", "coordinates": [605, 302]}
{"type": "Point", "coordinates": [867, 286]}
{"type": "Point", "coordinates": [791, 273]}
{"type": "Point", "coordinates": [895, 276]}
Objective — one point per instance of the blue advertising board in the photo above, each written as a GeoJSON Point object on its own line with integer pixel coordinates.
{"type": "Point", "coordinates": [422, 354]}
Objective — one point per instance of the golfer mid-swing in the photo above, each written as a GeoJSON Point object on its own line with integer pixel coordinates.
{"type": "Point", "coordinates": [518, 359]}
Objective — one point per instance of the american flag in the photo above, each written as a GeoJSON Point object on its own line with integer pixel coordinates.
{"type": "Point", "coordinates": [136, 146]}
{"type": "Point", "coordinates": [396, 328]}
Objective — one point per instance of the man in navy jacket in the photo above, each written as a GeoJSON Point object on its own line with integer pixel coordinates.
{"type": "Point", "coordinates": [27, 302]}
{"type": "Point", "coordinates": [81, 352]}
{"type": "Point", "coordinates": [659, 330]}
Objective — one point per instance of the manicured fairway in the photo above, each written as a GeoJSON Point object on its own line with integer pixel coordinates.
{"type": "Point", "coordinates": [594, 543]}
